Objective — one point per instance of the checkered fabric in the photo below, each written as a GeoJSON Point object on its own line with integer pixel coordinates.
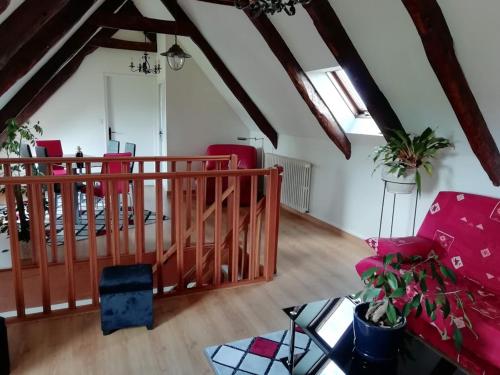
{"type": "Point", "coordinates": [256, 355]}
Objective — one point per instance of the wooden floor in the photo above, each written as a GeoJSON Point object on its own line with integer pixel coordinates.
{"type": "Point", "coordinates": [314, 262]}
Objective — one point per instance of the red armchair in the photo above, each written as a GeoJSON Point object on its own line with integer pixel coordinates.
{"type": "Point", "coordinates": [464, 230]}
{"type": "Point", "coordinates": [247, 159]}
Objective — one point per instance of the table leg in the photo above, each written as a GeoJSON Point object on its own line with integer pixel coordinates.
{"type": "Point", "coordinates": [291, 343]}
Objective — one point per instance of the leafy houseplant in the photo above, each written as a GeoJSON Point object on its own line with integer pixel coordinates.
{"type": "Point", "coordinates": [17, 134]}
{"type": "Point", "coordinates": [401, 287]}
{"type": "Point", "coordinates": [405, 153]}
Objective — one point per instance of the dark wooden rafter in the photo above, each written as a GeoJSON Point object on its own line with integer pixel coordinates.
{"type": "Point", "coordinates": [107, 42]}
{"type": "Point", "coordinates": [62, 76]}
{"type": "Point", "coordinates": [438, 44]}
{"type": "Point", "coordinates": [151, 36]}
{"type": "Point", "coordinates": [302, 83]}
{"type": "Point", "coordinates": [34, 87]}
{"type": "Point", "coordinates": [3, 5]}
{"type": "Point", "coordinates": [335, 37]}
{"type": "Point", "coordinates": [140, 24]}
{"type": "Point", "coordinates": [226, 75]}
{"type": "Point", "coordinates": [26, 20]}
{"type": "Point", "coordinates": [32, 51]}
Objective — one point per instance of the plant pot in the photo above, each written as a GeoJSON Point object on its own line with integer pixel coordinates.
{"type": "Point", "coordinates": [400, 185]}
{"type": "Point", "coordinates": [375, 343]}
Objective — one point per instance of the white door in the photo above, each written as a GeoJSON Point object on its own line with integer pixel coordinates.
{"type": "Point", "coordinates": [132, 114]}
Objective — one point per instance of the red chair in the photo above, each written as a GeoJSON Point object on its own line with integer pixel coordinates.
{"type": "Point", "coordinates": [247, 159]}
{"type": "Point", "coordinates": [53, 149]}
{"type": "Point", "coordinates": [113, 167]}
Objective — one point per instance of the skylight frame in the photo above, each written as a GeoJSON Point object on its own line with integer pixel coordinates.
{"type": "Point", "coordinates": [343, 85]}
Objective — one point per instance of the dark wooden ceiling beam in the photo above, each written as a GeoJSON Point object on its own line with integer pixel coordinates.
{"type": "Point", "coordinates": [41, 42]}
{"type": "Point", "coordinates": [24, 22]}
{"type": "Point", "coordinates": [335, 37]}
{"type": "Point", "coordinates": [3, 5]}
{"type": "Point", "coordinates": [438, 44]}
{"type": "Point", "coordinates": [124, 22]}
{"type": "Point", "coordinates": [122, 44]}
{"type": "Point", "coordinates": [151, 37]}
{"type": "Point", "coordinates": [226, 75]}
{"type": "Point", "coordinates": [55, 83]}
{"type": "Point", "coordinates": [302, 83]}
{"type": "Point", "coordinates": [28, 93]}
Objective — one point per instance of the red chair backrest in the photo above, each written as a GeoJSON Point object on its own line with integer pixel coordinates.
{"type": "Point", "coordinates": [116, 167]}
{"type": "Point", "coordinates": [53, 147]}
{"type": "Point", "coordinates": [247, 155]}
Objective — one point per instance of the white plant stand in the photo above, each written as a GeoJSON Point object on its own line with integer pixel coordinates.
{"type": "Point", "coordinates": [394, 194]}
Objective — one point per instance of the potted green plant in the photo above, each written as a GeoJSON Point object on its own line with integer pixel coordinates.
{"type": "Point", "coordinates": [405, 155]}
{"type": "Point", "coordinates": [399, 288]}
{"type": "Point", "coordinates": [15, 135]}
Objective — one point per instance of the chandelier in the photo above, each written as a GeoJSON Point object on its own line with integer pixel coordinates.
{"type": "Point", "coordinates": [176, 57]}
{"type": "Point", "coordinates": [257, 7]}
{"type": "Point", "coordinates": [144, 66]}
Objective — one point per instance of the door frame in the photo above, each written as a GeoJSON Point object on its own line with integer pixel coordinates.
{"type": "Point", "coordinates": [107, 112]}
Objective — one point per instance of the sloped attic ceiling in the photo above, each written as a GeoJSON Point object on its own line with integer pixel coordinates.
{"type": "Point", "coordinates": [381, 31]}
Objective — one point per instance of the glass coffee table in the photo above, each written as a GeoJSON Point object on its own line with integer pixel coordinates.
{"type": "Point", "coordinates": [328, 323]}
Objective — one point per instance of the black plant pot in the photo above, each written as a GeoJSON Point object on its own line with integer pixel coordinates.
{"type": "Point", "coordinates": [374, 343]}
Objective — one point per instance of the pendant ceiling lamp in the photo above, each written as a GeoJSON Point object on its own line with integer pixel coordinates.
{"type": "Point", "coordinates": [176, 57]}
{"type": "Point", "coordinates": [144, 65]}
{"type": "Point", "coordinates": [271, 7]}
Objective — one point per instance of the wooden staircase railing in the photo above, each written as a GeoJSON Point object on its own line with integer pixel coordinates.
{"type": "Point", "coordinates": [198, 246]}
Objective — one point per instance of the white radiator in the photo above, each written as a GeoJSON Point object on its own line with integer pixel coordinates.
{"type": "Point", "coordinates": [296, 184]}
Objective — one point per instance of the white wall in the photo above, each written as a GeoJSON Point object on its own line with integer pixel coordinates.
{"type": "Point", "coordinates": [76, 112]}
{"type": "Point", "coordinates": [9, 94]}
{"type": "Point", "coordinates": [197, 115]}
{"type": "Point", "coordinates": [343, 192]}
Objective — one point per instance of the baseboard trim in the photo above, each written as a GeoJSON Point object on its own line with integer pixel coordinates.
{"type": "Point", "coordinates": [321, 223]}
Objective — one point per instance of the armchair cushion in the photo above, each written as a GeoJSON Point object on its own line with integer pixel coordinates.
{"type": "Point", "coordinates": [406, 246]}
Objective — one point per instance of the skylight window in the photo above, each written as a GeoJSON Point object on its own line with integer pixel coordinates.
{"type": "Point", "coordinates": [348, 93]}
{"type": "Point", "coordinates": [345, 104]}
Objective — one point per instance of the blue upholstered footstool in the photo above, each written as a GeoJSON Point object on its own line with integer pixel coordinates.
{"type": "Point", "coordinates": [126, 297]}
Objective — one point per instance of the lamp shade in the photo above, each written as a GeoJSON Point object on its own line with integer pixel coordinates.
{"type": "Point", "coordinates": [176, 57]}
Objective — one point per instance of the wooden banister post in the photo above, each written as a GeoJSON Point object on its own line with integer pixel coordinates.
{"type": "Point", "coordinates": [253, 262]}
{"type": "Point", "coordinates": [159, 230]}
{"type": "Point", "coordinates": [278, 207]}
{"type": "Point", "coordinates": [179, 231]}
{"type": "Point", "coordinates": [38, 239]}
{"type": "Point", "coordinates": [271, 223]}
{"type": "Point", "coordinates": [69, 240]}
{"type": "Point", "coordinates": [14, 245]}
{"type": "Point", "coordinates": [94, 270]}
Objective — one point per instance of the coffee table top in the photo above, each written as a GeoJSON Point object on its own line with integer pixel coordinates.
{"type": "Point", "coordinates": [329, 324]}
